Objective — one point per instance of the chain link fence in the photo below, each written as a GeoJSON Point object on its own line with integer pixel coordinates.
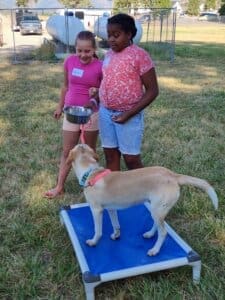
{"type": "Point", "coordinates": [157, 32]}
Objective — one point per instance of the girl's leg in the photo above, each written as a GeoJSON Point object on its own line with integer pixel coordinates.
{"type": "Point", "coordinates": [90, 138]}
{"type": "Point", "coordinates": [133, 161]}
{"type": "Point", "coordinates": [70, 139]}
{"type": "Point", "coordinates": [112, 157]}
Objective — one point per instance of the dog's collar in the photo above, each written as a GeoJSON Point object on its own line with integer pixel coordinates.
{"type": "Point", "coordinates": [98, 176]}
{"type": "Point", "coordinates": [84, 178]}
{"type": "Point", "coordinates": [84, 182]}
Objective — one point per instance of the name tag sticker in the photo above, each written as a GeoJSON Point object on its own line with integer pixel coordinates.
{"type": "Point", "coordinates": [77, 72]}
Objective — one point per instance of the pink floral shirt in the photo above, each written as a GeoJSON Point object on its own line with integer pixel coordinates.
{"type": "Point", "coordinates": [121, 87]}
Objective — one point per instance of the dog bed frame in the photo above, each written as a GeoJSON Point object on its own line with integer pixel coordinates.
{"type": "Point", "coordinates": [127, 256]}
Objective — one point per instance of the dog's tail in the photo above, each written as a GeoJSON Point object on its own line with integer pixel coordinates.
{"type": "Point", "coordinates": [199, 183]}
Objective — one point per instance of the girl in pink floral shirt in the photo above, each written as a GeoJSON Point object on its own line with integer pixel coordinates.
{"type": "Point", "coordinates": [129, 85]}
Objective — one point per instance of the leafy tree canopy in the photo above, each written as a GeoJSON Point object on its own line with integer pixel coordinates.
{"type": "Point", "coordinates": [141, 3]}
{"type": "Point", "coordinates": [76, 3]}
{"type": "Point", "coordinates": [193, 7]}
{"type": "Point", "coordinates": [22, 3]}
{"type": "Point", "coordinates": [210, 4]}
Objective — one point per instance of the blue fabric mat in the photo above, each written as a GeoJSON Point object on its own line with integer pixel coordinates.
{"type": "Point", "coordinates": [130, 250]}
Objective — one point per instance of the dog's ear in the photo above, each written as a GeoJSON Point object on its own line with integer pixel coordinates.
{"type": "Point", "coordinates": [70, 157]}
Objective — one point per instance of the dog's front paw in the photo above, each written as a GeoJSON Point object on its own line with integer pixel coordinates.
{"type": "Point", "coordinates": [91, 242]}
{"type": "Point", "coordinates": [115, 235]}
{"type": "Point", "coordinates": [153, 251]}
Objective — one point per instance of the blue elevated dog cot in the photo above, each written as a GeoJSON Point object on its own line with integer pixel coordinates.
{"type": "Point", "coordinates": [111, 260]}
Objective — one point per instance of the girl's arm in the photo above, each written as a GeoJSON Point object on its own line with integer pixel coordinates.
{"type": "Point", "coordinates": [150, 83]}
{"type": "Point", "coordinates": [59, 109]}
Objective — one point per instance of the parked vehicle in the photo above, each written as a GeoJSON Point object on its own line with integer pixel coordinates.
{"type": "Point", "coordinates": [30, 24]}
{"type": "Point", "coordinates": [208, 16]}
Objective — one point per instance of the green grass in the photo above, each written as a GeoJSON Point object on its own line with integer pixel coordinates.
{"type": "Point", "coordinates": [184, 131]}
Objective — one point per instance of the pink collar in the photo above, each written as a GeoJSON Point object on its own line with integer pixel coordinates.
{"type": "Point", "coordinates": [97, 177]}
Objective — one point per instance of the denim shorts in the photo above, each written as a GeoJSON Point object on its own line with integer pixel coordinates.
{"type": "Point", "coordinates": [126, 137]}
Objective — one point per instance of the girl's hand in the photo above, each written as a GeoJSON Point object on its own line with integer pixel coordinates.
{"type": "Point", "coordinates": [93, 92]}
{"type": "Point", "coordinates": [57, 113]}
{"type": "Point", "coordinates": [121, 118]}
{"type": "Point", "coordinates": [92, 104]}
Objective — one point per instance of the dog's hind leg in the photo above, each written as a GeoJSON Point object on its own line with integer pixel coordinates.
{"type": "Point", "coordinates": [115, 224]}
{"type": "Point", "coordinates": [97, 216]}
{"type": "Point", "coordinates": [152, 231]}
{"type": "Point", "coordinates": [161, 237]}
{"type": "Point", "coordinates": [158, 213]}
{"type": "Point", "coordinates": [160, 207]}
{"type": "Point", "coordinates": [160, 225]}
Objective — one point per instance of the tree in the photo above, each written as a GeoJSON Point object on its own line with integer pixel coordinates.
{"type": "Point", "coordinates": [162, 3]}
{"type": "Point", "coordinates": [22, 3]}
{"type": "Point", "coordinates": [141, 3]}
{"type": "Point", "coordinates": [222, 8]}
{"type": "Point", "coordinates": [193, 7]}
{"type": "Point", "coordinates": [126, 5]}
{"type": "Point", "coordinates": [122, 3]}
{"type": "Point", "coordinates": [210, 4]}
{"type": "Point", "coordinates": [146, 3]}
{"type": "Point", "coordinates": [76, 3]}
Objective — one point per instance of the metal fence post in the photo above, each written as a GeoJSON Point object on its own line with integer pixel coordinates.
{"type": "Point", "coordinates": [14, 43]}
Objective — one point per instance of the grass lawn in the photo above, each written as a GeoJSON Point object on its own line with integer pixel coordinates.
{"type": "Point", "coordinates": [185, 131]}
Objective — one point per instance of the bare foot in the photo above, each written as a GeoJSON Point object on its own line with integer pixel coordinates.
{"type": "Point", "coordinates": [53, 193]}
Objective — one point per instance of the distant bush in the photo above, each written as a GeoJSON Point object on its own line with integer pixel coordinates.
{"type": "Point", "coordinates": [46, 52]}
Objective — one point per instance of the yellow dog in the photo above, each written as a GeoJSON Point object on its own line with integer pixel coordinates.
{"type": "Point", "coordinates": [117, 190]}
